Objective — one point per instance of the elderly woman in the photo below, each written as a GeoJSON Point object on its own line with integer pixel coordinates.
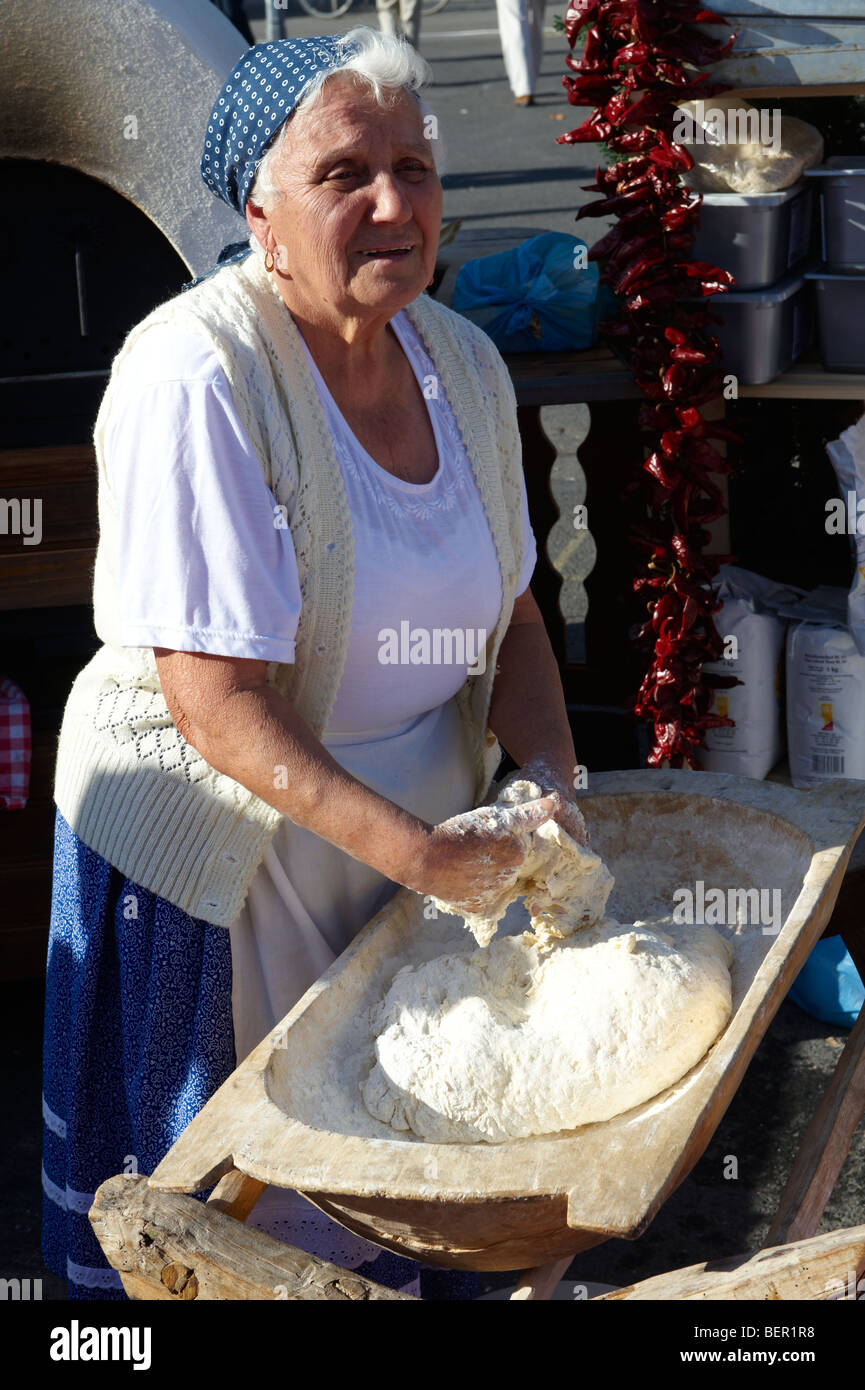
{"type": "Point", "coordinates": [305, 465]}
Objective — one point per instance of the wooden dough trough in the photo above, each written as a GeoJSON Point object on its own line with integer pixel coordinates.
{"type": "Point", "coordinates": [292, 1115]}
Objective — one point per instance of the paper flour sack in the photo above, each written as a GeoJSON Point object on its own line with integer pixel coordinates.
{"type": "Point", "coordinates": [750, 617]}
{"type": "Point", "coordinates": [825, 692]}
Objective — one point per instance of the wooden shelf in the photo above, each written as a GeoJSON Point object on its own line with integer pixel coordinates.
{"type": "Point", "coordinates": [566, 378]}
{"type": "Point", "coordinates": [809, 381]}
{"type": "Point", "coordinates": [59, 570]}
{"type": "Point", "coordinates": [44, 578]}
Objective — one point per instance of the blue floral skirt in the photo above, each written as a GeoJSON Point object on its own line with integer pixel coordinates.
{"type": "Point", "coordinates": [138, 1036]}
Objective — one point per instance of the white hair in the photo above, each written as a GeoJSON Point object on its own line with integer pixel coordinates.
{"type": "Point", "coordinates": [387, 65]}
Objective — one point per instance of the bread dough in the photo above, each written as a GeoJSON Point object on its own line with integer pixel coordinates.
{"type": "Point", "coordinates": [570, 1023]}
{"type": "Point", "coordinates": [566, 883]}
{"type": "Point", "coordinates": [508, 1042]}
{"type": "Point", "coordinates": [749, 166]}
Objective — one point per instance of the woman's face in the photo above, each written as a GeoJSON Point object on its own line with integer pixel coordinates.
{"type": "Point", "coordinates": [361, 215]}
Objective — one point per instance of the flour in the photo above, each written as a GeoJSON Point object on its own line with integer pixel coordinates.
{"type": "Point", "coordinates": [570, 1023]}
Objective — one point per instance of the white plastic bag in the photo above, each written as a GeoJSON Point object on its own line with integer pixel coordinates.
{"type": "Point", "coordinates": [825, 693]}
{"type": "Point", "coordinates": [749, 616]}
{"type": "Point", "coordinates": [737, 148]}
{"type": "Point", "coordinates": [848, 459]}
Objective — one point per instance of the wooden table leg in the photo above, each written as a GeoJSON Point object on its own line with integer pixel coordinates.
{"type": "Point", "coordinates": [824, 1147]}
{"type": "Point", "coordinates": [236, 1194]}
{"type": "Point", "coordinates": [540, 1283]}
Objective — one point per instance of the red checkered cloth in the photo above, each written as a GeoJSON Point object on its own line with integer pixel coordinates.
{"type": "Point", "coordinates": [15, 746]}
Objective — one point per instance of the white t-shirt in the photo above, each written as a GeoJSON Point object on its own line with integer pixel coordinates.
{"type": "Point", "coordinates": [207, 564]}
{"type": "Point", "coordinates": [204, 568]}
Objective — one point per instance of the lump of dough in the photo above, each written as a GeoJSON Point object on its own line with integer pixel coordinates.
{"type": "Point", "coordinates": [567, 885]}
{"type": "Point", "coordinates": [505, 1043]}
{"type": "Point", "coordinates": [759, 162]}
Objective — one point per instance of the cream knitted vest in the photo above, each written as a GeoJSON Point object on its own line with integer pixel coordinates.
{"type": "Point", "coordinates": [127, 782]}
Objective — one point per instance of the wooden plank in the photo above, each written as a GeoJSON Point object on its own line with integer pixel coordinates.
{"type": "Point", "coordinates": [63, 482]}
{"type": "Point", "coordinates": [40, 578]}
{"type": "Point", "coordinates": [825, 1145]}
{"type": "Point", "coordinates": [809, 381]}
{"type": "Point", "coordinates": [563, 378]}
{"type": "Point", "coordinates": [539, 1284]}
{"type": "Point", "coordinates": [169, 1247]}
{"type": "Point", "coordinates": [65, 520]}
{"type": "Point", "coordinates": [57, 464]}
{"type": "Point", "coordinates": [236, 1194]}
{"type": "Point", "coordinates": [808, 1269]}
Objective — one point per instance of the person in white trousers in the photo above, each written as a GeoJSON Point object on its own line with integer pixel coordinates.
{"type": "Point", "coordinates": [400, 17]}
{"type": "Point", "coordinates": [521, 30]}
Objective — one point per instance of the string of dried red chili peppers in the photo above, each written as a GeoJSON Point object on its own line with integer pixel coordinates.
{"type": "Point", "coordinates": [640, 58]}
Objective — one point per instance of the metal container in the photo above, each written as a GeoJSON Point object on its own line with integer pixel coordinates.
{"type": "Point", "coordinates": [840, 319]}
{"type": "Point", "coordinates": [757, 237]}
{"type": "Point", "coordinates": [842, 212]}
{"type": "Point", "coordinates": [764, 331]}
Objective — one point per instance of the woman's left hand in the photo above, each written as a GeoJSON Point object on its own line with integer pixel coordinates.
{"type": "Point", "coordinates": [553, 781]}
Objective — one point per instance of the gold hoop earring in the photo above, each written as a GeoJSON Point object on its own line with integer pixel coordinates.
{"type": "Point", "coordinates": [268, 256]}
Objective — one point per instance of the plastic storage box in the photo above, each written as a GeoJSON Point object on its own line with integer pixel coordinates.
{"type": "Point", "coordinates": [758, 237]}
{"type": "Point", "coordinates": [841, 181]}
{"type": "Point", "coordinates": [840, 319]}
{"type": "Point", "coordinates": [764, 331]}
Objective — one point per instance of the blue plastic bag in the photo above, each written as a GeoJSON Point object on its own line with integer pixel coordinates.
{"type": "Point", "coordinates": [828, 985]}
{"type": "Point", "coordinates": [535, 297]}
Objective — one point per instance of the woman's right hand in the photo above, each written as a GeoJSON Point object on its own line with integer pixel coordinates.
{"type": "Point", "coordinates": [470, 860]}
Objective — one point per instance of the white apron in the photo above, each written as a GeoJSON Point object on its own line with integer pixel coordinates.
{"type": "Point", "coordinates": [306, 903]}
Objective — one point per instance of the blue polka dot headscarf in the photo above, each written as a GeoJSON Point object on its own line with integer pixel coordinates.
{"type": "Point", "coordinates": [258, 97]}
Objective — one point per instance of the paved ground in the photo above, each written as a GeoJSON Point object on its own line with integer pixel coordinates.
{"type": "Point", "coordinates": [505, 169]}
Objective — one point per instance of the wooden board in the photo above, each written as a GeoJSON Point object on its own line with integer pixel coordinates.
{"type": "Point", "coordinates": [825, 1145]}
{"type": "Point", "coordinates": [508, 1206]}
{"type": "Point", "coordinates": [58, 570]}
{"type": "Point", "coordinates": [820, 1268]}
{"type": "Point", "coordinates": [596, 374]}
{"type": "Point", "coordinates": [43, 578]}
